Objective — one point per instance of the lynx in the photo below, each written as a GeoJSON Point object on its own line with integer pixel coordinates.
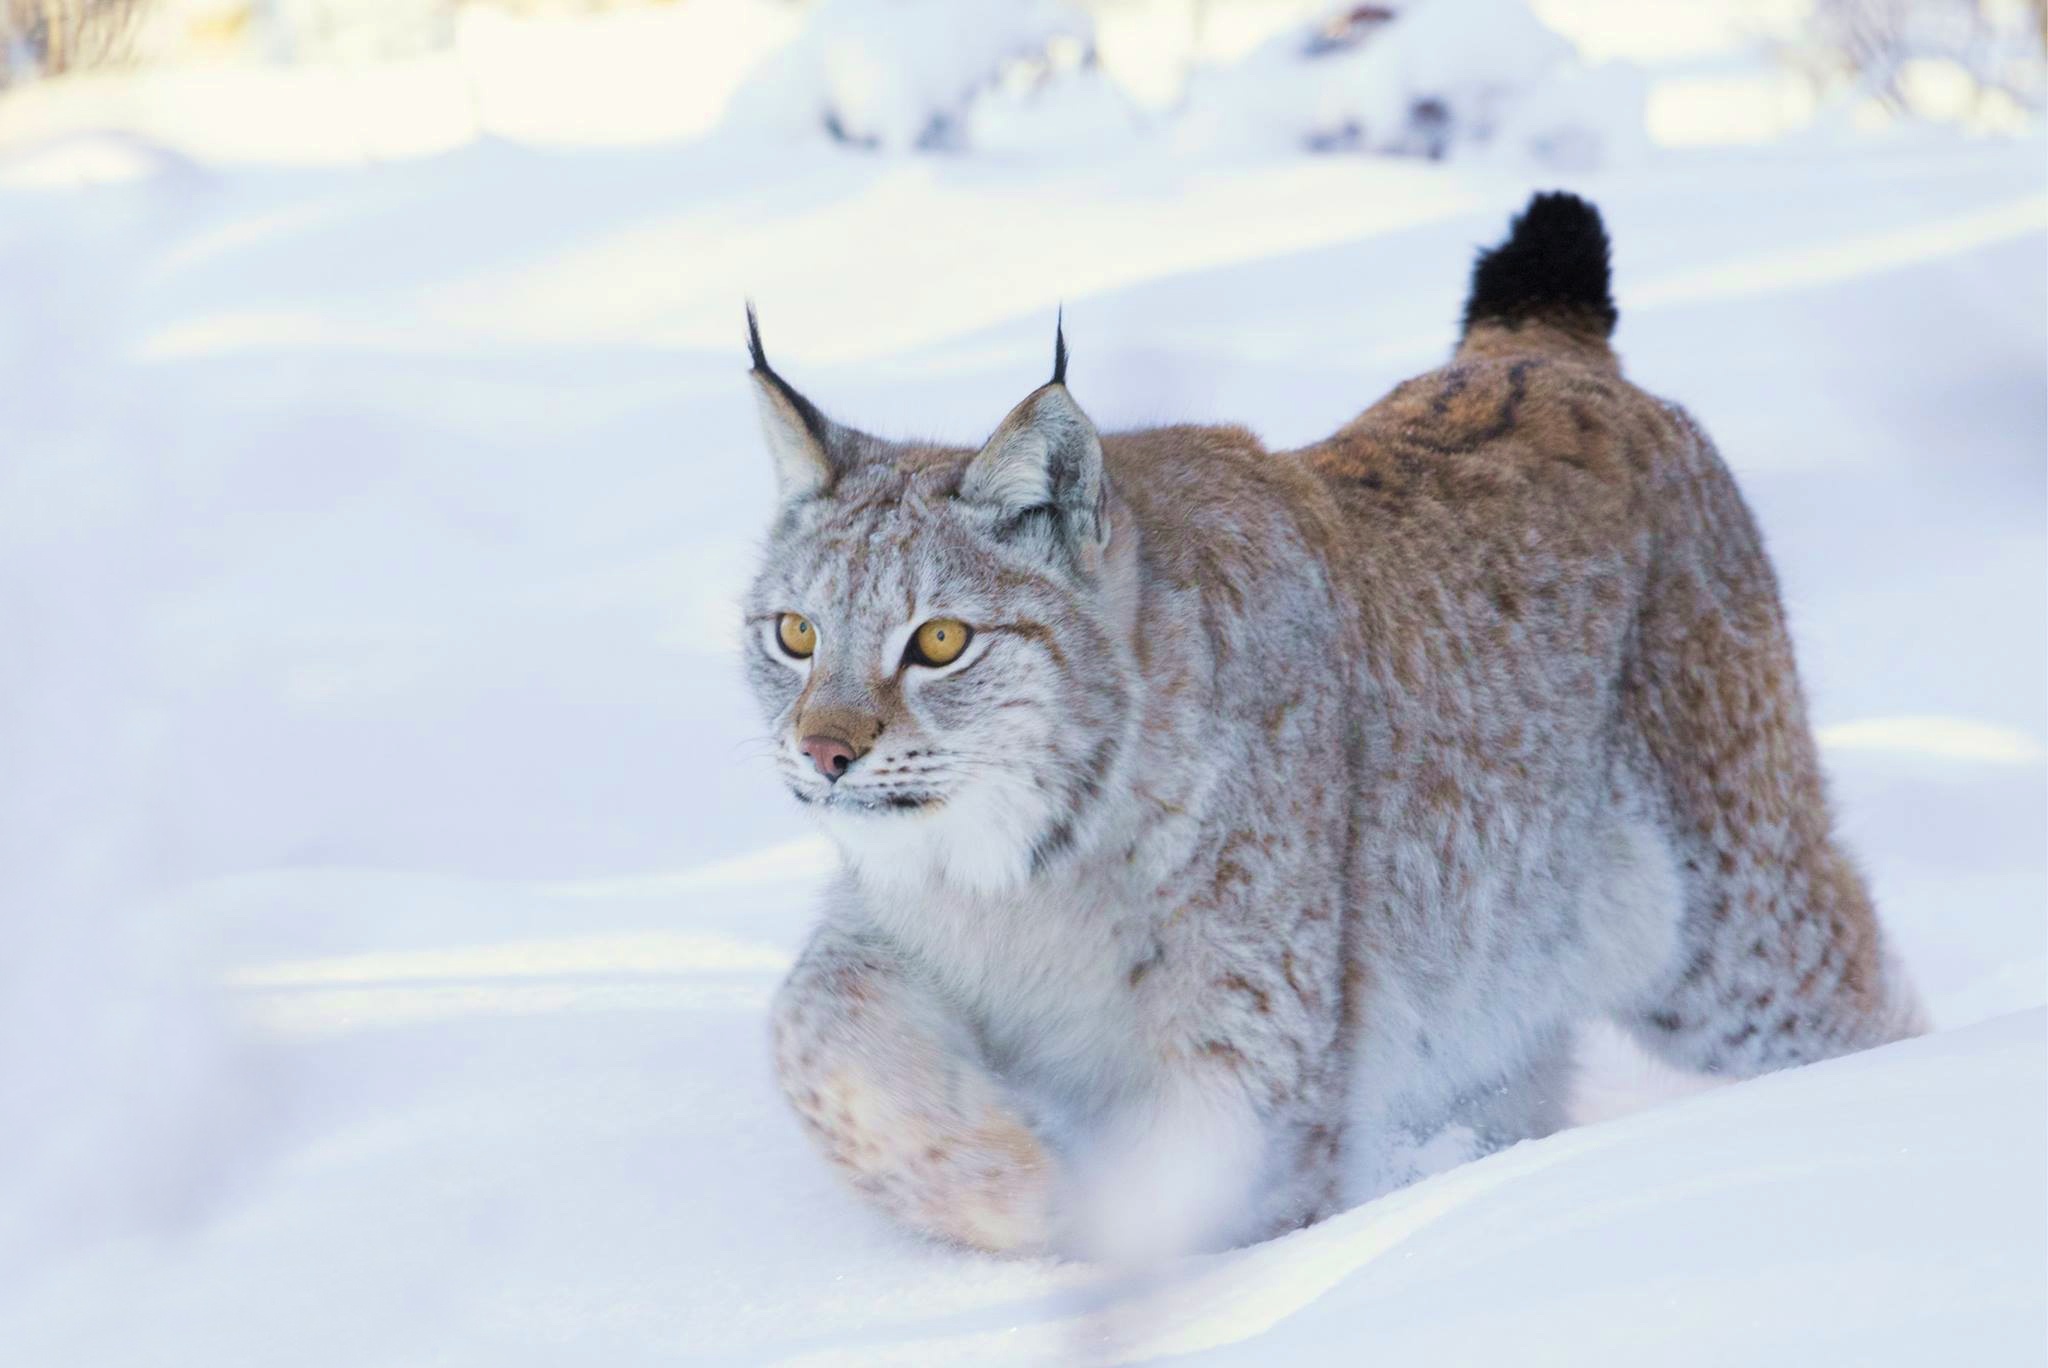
{"type": "Point", "coordinates": [1220, 825]}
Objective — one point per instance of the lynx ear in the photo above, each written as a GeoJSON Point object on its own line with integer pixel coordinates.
{"type": "Point", "coordinates": [1045, 455]}
{"type": "Point", "coordinates": [803, 442]}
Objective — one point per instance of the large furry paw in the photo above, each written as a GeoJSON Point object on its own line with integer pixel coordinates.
{"type": "Point", "coordinates": [976, 1176]}
{"type": "Point", "coordinates": [893, 1090]}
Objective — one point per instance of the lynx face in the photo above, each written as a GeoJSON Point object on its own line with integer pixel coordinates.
{"type": "Point", "coordinates": [931, 642]}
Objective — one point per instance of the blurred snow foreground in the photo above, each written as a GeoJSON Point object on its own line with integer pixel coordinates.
{"type": "Point", "coordinates": [391, 885]}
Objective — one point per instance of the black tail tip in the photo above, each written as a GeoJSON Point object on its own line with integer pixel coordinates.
{"type": "Point", "coordinates": [1553, 267]}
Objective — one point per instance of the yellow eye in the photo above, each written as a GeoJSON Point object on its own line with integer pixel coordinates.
{"type": "Point", "coordinates": [797, 636]}
{"type": "Point", "coordinates": [940, 642]}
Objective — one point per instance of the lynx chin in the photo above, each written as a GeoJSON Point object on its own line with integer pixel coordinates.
{"type": "Point", "coordinates": [1219, 825]}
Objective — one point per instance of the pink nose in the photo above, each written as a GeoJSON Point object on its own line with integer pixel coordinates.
{"type": "Point", "coordinates": [829, 754]}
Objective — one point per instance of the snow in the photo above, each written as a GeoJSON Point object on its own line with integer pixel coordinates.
{"type": "Point", "coordinates": [1442, 75]}
{"type": "Point", "coordinates": [905, 73]}
{"type": "Point", "coordinates": [634, 75]}
{"type": "Point", "coordinates": [394, 887]}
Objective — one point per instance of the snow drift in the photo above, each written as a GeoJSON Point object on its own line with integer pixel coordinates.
{"type": "Point", "coordinates": [392, 890]}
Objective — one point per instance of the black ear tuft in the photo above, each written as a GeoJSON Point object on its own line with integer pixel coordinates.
{"type": "Point", "coordinates": [814, 422]}
{"type": "Point", "coordinates": [1552, 267]}
{"type": "Point", "coordinates": [1059, 347]}
{"type": "Point", "coordinates": [759, 356]}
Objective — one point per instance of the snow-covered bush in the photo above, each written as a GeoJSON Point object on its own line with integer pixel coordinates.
{"type": "Point", "coordinates": [1060, 102]}
{"type": "Point", "coordinates": [356, 30]}
{"type": "Point", "coordinates": [1427, 79]}
{"type": "Point", "coordinates": [47, 37]}
{"type": "Point", "coordinates": [930, 75]}
{"type": "Point", "coordinates": [1936, 58]}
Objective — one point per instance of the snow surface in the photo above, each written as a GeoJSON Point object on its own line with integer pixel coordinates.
{"type": "Point", "coordinates": [393, 884]}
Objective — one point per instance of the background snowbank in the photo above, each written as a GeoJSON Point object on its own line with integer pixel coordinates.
{"type": "Point", "coordinates": [1567, 83]}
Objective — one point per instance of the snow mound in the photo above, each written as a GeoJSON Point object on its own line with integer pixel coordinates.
{"type": "Point", "coordinates": [1874, 1210]}
{"type": "Point", "coordinates": [73, 160]}
{"type": "Point", "coordinates": [930, 75]}
{"type": "Point", "coordinates": [1429, 80]}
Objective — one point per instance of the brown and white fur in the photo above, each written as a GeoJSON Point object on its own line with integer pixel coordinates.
{"type": "Point", "coordinates": [1288, 808]}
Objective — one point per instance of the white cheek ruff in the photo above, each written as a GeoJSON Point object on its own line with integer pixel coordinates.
{"type": "Point", "coordinates": [980, 838]}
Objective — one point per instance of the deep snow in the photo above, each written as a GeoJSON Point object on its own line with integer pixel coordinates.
{"type": "Point", "coordinates": [394, 883]}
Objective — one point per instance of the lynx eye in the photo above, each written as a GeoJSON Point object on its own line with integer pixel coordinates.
{"type": "Point", "coordinates": [797, 636]}
{"type": "Point", "coordinates": [939, 642]}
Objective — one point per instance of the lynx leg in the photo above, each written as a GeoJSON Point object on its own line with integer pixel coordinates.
{"type": "Point", "coordinates": [1781, 960]}
{"type": "Point", "coordinates": [1529, 1103]}
{"type": "Point", "coordinates": [892, 1089]}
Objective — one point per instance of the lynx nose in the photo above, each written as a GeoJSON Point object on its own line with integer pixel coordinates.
{"type": "Point", "coordinates": [829, 754]}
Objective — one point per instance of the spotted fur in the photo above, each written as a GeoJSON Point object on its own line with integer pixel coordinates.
{"type": "Point", "coordinates": [1300, 803]}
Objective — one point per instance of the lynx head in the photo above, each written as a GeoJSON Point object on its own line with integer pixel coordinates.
{"type": "Point", "coordinates": [939, 638]}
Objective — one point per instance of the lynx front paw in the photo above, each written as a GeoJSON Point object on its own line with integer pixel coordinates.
{"type": "Point", "coordinates": [891, 1087]}
{"type": "Point", "coordinates": [980, 1178]}
{"type": "Point", "coordinates": [991, 1189]}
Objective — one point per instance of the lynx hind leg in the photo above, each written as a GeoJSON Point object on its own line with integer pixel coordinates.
{"type": "Point", "coordinates": [891, 1088]}
{"type": "Point", "coordinates": [1530, 1102]}
{"type": "Point", "coordinates": [1780, 959]}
